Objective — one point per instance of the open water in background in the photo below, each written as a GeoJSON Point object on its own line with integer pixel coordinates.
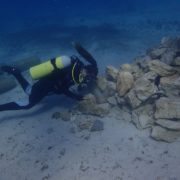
{"type": "Point", "coordinates": [114, 31]}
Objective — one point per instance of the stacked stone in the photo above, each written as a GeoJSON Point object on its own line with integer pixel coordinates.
{"type": "Point", "coordinates": [154, 96]}
{"type": "Point", "coordinates": [149, 88]}
{"type": "Point", "coordinates": [8, 82]}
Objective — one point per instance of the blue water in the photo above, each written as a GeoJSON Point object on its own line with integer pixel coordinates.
{"type": "Point", "coordinates": [113, 31]}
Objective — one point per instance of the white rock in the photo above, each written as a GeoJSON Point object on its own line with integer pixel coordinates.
{"type": "Point", "coordinates": [125, 82]}
{"type": "Point", "coordinates": [163, 134]}
{"type": "Point", "coordinates": [143, 89]}
{"type": "Point", "coordinates": [143, 117]}
{"type": "Point", "coordinates": [157, 53]}
{"type": "Point", "coordinates": [168, 108]}
{"type": "Point", "coordinates": [126, 67]}
{"type": "Point", "coordinates": [101, 83]}
{"type": "Point", "coordinates": [177, 61]}
{"type": "Point", "coordinates": [111, 73]}
{"type": "Point", "coordinates": [161, 68]}
{"type": "Point", "coordinates": [171, 85]}
{"type": "Point", "coordinates": [172, 125]}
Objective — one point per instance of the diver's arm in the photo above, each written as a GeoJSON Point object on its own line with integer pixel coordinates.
{"type": "Point", "coordinates": [85, 54]}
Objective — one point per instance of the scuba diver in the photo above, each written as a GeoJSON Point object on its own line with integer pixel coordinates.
{"type": "Point", "coordinates": [56, 76]}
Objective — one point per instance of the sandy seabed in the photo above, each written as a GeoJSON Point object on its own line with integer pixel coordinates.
{"type": "Point", "coordinates": [36, 146]}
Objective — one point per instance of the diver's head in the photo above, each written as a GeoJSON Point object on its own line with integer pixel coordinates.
{"type": "Point", "coordinates": [82, 73]}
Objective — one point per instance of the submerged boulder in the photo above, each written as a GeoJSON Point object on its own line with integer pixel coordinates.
{"type": "Point", "coordinates": [111, 73]}
{"type": "Point", "coordinates": [169, 42]}
{"type": "Point", "coordinates": [167, 108]}
{"type": "Point", "coordinates": [143, 89]}
{"type": "Point", "coordinates": [143, 117]}
{"type": "Point", "coordinates": [169, 124]}
{"type": "Point", "coordinates": [162, 134]}
{"type": "Point", "coordinates": [89, 106]}
{"type": "Point", "coordinates": [125, 82]}
{"type": "Point", "coordinates": [156, 53]}
{"type": "Point", "coordinates": [168, 57]}
{"type": "Point", "coordinates": [161, 68]}
{"type": "Point", "coordinates": [176, 61]}
{"type": "Point", "coordinates": [171, 85]}
{"type": "Point", "coordinates": [101, 83]}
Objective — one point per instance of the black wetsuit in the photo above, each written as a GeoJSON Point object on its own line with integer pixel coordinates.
{"type": "Point", "coordinates": [58, 82]}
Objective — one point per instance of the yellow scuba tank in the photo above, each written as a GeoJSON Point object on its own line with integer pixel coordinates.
{"type": "Point", "coordinates": [47, 67]}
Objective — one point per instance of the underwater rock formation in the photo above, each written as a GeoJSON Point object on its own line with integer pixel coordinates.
{"type": "Point", "coordinates": [149, 88]}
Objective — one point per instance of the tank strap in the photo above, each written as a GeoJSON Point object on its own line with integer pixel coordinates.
{"type": "Point", "coordinates": [53, 62]}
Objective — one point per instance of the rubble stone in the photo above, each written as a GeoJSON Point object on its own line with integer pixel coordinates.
{"type": "Point", "coordinates": [125, 82]}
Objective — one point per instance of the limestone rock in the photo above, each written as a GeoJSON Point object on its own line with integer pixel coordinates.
{"type": "Point", "coordinates": [111, 88]}
{"type": "Point", "coordinates": [125, 82]}
{"type": "Point", "coordinates": [120, 100]}
{"type": "Point", "coordinates": [126, 67]}
{"type": "Point", "coordinates": [112, 101]}
{"type": "Point", "coordinates": [143, 89]}
{"type": "Point", "coordinates": [111, 73]}
{"type": "Point", "coordinates": [132, 99]}
{"type": "Point", "coordinates": [157, 53]}
{"type": "Point", "coordinates": [143, 117]}
{"type": "Point", "coordinates": [89, 106]}
{"type": "Point", "coordinates": [99, 95]}
{"type": "Point", "coordinates": [177, 61]}
{"type": "Point", "coordinates": [137, 72]}
{"type": "Point", "coordinates": [168, 57]}
{"type": "Point", "coordinates": [161, 68]}
{"type": "Point", "coordinates": [83, 122]}
{"type": "Point", "coordinates": [142, 63]}
{"type": "Point", "coordinates": [101, 109]}
{"type": "Point", "coordinates": [168, 42]}
{"type": "Point", "coordinates": [168, 108]}
{"type": "Point", "coordinates": [101, 83]}
{"type": "Point", "coordinates": [172, 125]}
{"type": "Point", "coordinates": [163, 134]}
{"type": "Point", "coordinates": [171, 85]}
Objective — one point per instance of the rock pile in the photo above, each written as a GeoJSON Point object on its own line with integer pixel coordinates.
{"type": "Point", "coordinates": [149, 88]}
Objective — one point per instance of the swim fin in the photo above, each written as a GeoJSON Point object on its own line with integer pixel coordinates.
{"type": "Point", "coordinates": [84, 53]}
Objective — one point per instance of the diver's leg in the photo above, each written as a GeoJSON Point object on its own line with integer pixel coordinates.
{"type": "Point", "coordinates": [17, 74]}
{"type": "Point", "coordinates": [35, 97]}
{"type": "Point", "coordinates": [15, 106]}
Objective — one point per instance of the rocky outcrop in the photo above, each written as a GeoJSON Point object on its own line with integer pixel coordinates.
{"type": "Point", "coordinates": [125, 82]}
{"type": "Point", "coordinates": [162, 134]}
{"type": "Point", "coordinates": [148, 89]}
{"type": "Point", "coordinates": [167, 108]}
{"type": "Point", "coordinates": [176, 61]}
{"type": "Point", "coordinates": [169, 124]}
{"type": "Point", "coordinates": [143, 89]}
{"type": "Point", "coordinates": [89, 106]}
{"type": "Point", "coordinates": [143, 117]}
{"type": "Point", "coordinates": [171, 85]}
{"type": "Point", "coordinates": [161, 68]}
{"type": "Point", "coordinates": [111, 73]}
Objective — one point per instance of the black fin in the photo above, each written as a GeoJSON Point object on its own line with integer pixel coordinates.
{"type": "Point", "coordinates": [84, 53]}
